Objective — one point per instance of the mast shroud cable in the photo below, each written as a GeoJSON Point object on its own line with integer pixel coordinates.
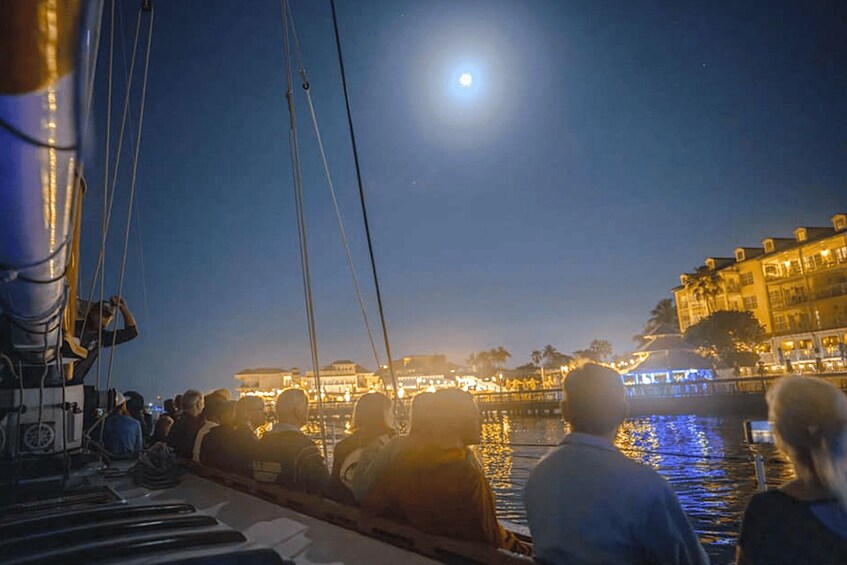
{"type": "Point", "coordinates": [301, 225]}
{"type": "Point", "coordinates": [398, 406]}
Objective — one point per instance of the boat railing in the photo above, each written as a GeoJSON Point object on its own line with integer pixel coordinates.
{"type": "Point", "coordinates": [446, 550]}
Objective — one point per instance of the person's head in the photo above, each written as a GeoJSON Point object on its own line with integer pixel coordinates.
{"type": "Point", "coordinates": [372, 414]}
{"type": "Point", "coordinates": [250, 411]}
{"type": "Point", "coordinates": [163, 426]}
{"type": "Point", "coordinates": [594, 400]}
{"type": "Point", "coordinates": [212, 405]}
{"type": "Point", "coordinates": [120, 405]}
{"type": "Point", "coordinates": [100, 314]}
{"type": "Point", "coordinates": [809, 416]}
{"type": "Point", "coordinates": [455, 417]}
{"type": "Point", "coordinates": [178, 403]}
{"type": "Point", "coordinates": [223, 393]}
{"type": "Point", "coordinates": [421, 415]}
{"type": "Point", "coordinates": [227, 413]}
{"type": "Point", "coordinates": [134, 402]}
{"type": "Point", "coordinates": [169, 406]}
{"type": "Point", "coordinates": [292, 407]}
{"type": "Point", "coordinates": [192, 402]}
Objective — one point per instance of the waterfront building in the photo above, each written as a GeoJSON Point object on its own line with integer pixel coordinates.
{"type": "Point", "coordinates": [795, 287]}
{"type": "Point", "coordinates": [344, 377]}
{"type": "Point", "coordinates": [424, 372]}
{"type": "Point", "coordinates": [266, 382]}
{"type": "Point", "coordinates": [665, 358]}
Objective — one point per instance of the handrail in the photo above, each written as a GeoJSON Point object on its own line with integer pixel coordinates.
{"type": "Point", "coordinates": [443, 549]}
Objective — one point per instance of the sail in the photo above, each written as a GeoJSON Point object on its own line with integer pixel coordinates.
{"type": "Point", "coordinates": [39, 50]}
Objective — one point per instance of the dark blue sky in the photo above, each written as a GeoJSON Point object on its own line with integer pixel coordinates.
{"type": "Point", "coordinates": [604, 148]}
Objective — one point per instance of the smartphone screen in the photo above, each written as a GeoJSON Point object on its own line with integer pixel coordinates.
{"type": "Point", "coordinates": [758, 431]}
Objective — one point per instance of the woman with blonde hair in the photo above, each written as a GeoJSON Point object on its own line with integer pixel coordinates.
{"type": "Point", "coordinates": [371, 428]}
{"type": "Point", "coordinates": [804, 520]}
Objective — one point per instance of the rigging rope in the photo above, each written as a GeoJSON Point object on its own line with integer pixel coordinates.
{"type": "Point", "coordinates": [109, 194]}
{"type": "Point", "coordinates": [294, 148]}
{"type": "Point", "coordinates": [149, 9]}
{"type": "Point", "coordinates": [331, 185]}
{"type": "Point", "coordinates": [398, 406]}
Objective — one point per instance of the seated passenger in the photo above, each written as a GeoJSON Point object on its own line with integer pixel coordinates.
{"type": "Point", "coordinates": [136, 408]}
{"type": "Point", "coordinates": [370, 471]}
{"type": "Point", "coordinates": [212, 405]}
{"type": "Point", "coordinates": [162, 428]}
{"type": "Point", "coordinates": [371, 429]}
{"type": "Point", "coordinates": [435, 483]}
{"type": "Point", "coordinates": [232, 445]}
{"type": "Point", "coordinates": [286, 456]}
{"type": "Point", "coordinates": [184, 431]}
{"type": "Point", "coordinates": [804, 520]}
{"type": "Point", "coordinates": [588, 503]}
{"type": "Point", "coordinates": [122, 432]}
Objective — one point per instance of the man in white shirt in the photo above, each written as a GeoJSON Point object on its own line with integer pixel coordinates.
{"type": "Point", "coordinates": [588, 503]}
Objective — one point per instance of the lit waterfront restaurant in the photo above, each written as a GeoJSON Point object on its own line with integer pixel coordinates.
{"type": "Point", "coordinates": [666, 358]}
{"type": "Point", "coordinates": [797, 289]}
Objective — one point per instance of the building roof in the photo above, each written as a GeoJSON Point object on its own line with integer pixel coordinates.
{"type": "Point", "coordinates": [671, 360]}
{"type": "Point", "coordinates": [263, 371]}
{"type": "Point", "coordinates": [358, 368]}
{"type": "Point", "coordinates": [662, 343]}
{"type": "Point", "coordinates": [660, 330]}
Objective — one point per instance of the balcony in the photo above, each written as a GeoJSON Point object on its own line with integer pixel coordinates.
{"type": "Point", "coordinates": [780, 271]}
{"type": "Point", "coordinates": [831, 291]}
{"type": "Point", "coordinates": [823, 264]}
{"type": "Point", "coordinates": [788, 301]}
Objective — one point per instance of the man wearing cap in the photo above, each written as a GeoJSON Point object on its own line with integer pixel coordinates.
{"type": "Point", "coordinates": [122, 432]}
{"type": "Point", "coordinates": [589, 503]}
{"type": "Point", "coordinates": [91, 330]}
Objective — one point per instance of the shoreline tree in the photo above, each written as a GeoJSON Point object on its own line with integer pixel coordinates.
{"type": "Point", "coordinates": [729, 337]}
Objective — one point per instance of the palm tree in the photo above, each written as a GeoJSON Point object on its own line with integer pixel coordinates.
{"type": "Point", "coordinates": [536, 357]}
{"type": "Point", "coordinates": [705, 288]}
{"type": "Point", "coordinates": [499, 355]}
{"type": "Point", "coordinates": [663, 314]}
{"type": "Point", "coordinates": [550, 354]}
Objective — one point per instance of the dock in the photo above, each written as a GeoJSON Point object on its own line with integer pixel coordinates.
{"type": "Point", "coordinates": [739, 396]}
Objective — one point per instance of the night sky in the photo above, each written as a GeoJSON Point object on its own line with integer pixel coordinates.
{"type": "Point", "coordinates": [602, 149]}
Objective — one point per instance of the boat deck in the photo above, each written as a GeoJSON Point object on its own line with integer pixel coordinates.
{"type": "Point", "coordinates": [198, 521]}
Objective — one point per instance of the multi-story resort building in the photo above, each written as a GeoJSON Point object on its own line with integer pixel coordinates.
{"type": "Point", "coordinates": [343, 377]}
{"type": "Point", "coordinates": [795, 287]}
{"type": "Point", "coordinates": [266, 383]}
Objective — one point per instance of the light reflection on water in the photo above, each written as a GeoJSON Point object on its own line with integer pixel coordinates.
{"type": "Point", "coordinates": [704, 458]}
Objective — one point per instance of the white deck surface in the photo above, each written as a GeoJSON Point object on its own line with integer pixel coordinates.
{"type": "Point", "coordinates": [294, 536]}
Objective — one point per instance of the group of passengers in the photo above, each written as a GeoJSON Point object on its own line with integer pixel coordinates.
{"type": "Point", "coordinates": [585, 500]}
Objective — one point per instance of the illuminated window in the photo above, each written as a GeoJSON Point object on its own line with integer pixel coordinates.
{"type": "Point", "coordinates": [830, 341]}
{"type": "Point", "coordinates": [841, 254]}
{"type": "Point", "coordinates": [750, 303]}
{"type": "Point", "coordinates": [746, 279]}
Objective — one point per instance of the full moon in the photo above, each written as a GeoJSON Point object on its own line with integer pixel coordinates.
{"type": "Point", "coordinates": [465, 80]}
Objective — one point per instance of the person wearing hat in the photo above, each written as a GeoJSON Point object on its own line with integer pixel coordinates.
{"type": "Point", "coordinates": [93, 334]}
{"type": "Point", "coordinates": [122, 432]}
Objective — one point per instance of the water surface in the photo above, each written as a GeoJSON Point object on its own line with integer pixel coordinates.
{"type": "Point", "coordinates": [704, 458]}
